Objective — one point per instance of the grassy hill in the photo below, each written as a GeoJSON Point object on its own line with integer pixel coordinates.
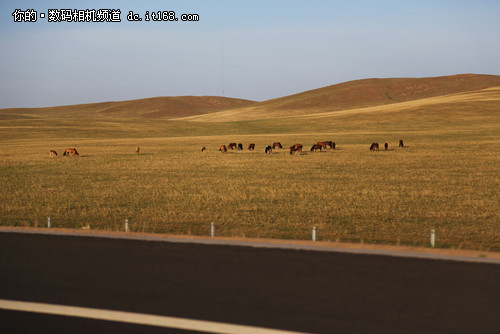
{"type": "Point", "coordinates": [156, 107]}
{"type": "Point", "coordinates": [352, 95]}
{"type": "Point", "coordinates": [355, 95]}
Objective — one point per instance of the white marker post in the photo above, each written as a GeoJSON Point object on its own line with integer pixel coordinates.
{"type": "Point", "coordinates": [433, 238]}
{"type": "Point", "coordinates": [314, 233]}
{"type": "Point", "coordinates": [126, 226]}
{"type": "Point", "coordinates": [212, 230]}
{"type": "Point", "coordinates": [49, 224]}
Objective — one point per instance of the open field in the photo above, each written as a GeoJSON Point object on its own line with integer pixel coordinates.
{"type": "Point", "coordinates": [447, 179]}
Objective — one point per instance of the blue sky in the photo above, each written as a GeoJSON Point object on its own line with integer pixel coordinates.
{"type": "Point", "coordinates": [254, 50]}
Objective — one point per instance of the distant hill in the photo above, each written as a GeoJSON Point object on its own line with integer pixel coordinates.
{"type": "Point", "coordinates": [156, 107]}
{"type": "Point", "coordinates": [340, 97]}
{"type": "Point", "coordinates": [357, 94]}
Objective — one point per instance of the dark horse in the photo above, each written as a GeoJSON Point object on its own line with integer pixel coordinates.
{"type": "Point", "coordinates": [316, 147]}
{"type": "Point", "coordinates": [401, 143]}
{"type": "Point", "coordinates": [71, 151]}
{"type": "Point", "coordinates": [386, 146]}
{"type": "Point", "coordinates": [269, 149]}
{"type": "Point", "coordinates": [240, 147]}
{"type": "Point", "coordinates": [232, 145]}
{"type": "Point", "coordinates": [251, 147]}
{"type": "Point", "coordinates": [374, 147]}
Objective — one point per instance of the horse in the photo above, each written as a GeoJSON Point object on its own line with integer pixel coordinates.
{"type": "Point", "coordinates": [251, 147]}
{"type": "Point", "coordinates": [223, 149]}
{"type": "Point", "coordinates": [240, 147]}
{"type": "Point", "coordinates": [322, 144]}
{"type": "Point", "coordinates": [386, 146]}
{"type": "Point", "coordinates": [71, 151]}
{"type": "Point", "coordinates": [330, 143]}
{"type": "Point", "coordinates": [232, 146]}
{"type": "Point", "coordinates": [137, 150]}
{"type": "Point", "coordinates": [277, 144]}
{"type": "Point", "coordinates": [316, 147]}
{"type": "Point", "coordinates": [374, 147]}
{"type": "Point", "coordinates": [296, 149]}
{"type": "Point", "coordinates": [269, 149]}
{"type": "Point", "coordinates": [401, 143]}
{"type": "Point", "coordinates": [203, 149]}
{"type": "Point", "coordinates": [52, 153]}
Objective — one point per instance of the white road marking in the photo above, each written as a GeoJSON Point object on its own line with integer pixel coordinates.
{"type": "Point", "coordinates": [137, 318]}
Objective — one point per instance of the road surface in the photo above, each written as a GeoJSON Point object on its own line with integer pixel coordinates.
{"type": "Point", "coordinates": [283, 289]}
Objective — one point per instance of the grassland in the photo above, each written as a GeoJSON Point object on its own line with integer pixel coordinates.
{"type": "Point", "coordinates": [447, 178]}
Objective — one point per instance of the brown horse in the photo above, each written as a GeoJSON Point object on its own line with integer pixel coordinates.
{"type": "Point", "coordinates": [251, 147]}
{"type": "Point", "coordinates": [232, 146]}
{"type": "Point", "coordinates": [316, 147]}
{"type": "Point", "coordinates": [326, 144]}
{"type": "Point", "coordinates": [374, 147]}
{"type": "Point", "coordinates": [277, 144]}
{"type": "Point", "coordinates": [321, 143]}
{"type": "Point", "coordinates": [223, 149]}
{"type": "Point", "coordinates": [137, 150]}
{"type": "Point", "coordinates": [203, 149]}
{"type": "Point", "coordinates": [52, 153]}
{"type": "Point", "coordinates": [71, 151]}
{"type": "Point", "coordinates": [401, 143]}
{"type": "Point", "coordinates": [296, 149]}
{"type": "Point", "coordinates": [331, 144]}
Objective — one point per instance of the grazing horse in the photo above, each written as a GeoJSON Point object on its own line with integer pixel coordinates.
{"type": "Point", "coordinates": [374, 147]}
{"type": "Point", "coordinates": [331, 144]}
{"type": "Point", "coordinates": [203, 149]}
{"type": "Point", "coordinates": [71, 151]}
{"type": "Point", "coordinates": [401, 143]}
{"type": "Point", "coordinates": [296, 149]}
{"type": "Point", "coordinates": [316, 147]}
{"type": "Point", "coordinates": [277, 144]}
{"type": "Point", "coordinates": [251, 147]}
{"type": "Point", "coordinates": [269, 149]}
{"type": "Point", "coordinates": [386, 146]}
{"type": "Point", "coordinates": [232, 146]}
{"type": "Point", "coordinates": [240, 147]}
{"type": "Point", "coordinates": [52, 153]}
{"type": "Point", "coordinates": [137, 150]}
{"type": "Point", "coordinates": [223, 149]}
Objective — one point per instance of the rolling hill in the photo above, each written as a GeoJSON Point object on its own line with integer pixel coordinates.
{"type": "Point", "coordinates": [352, 96]}
{"type": "Point", "coordinates": [356, 95]}
{"type": "Point", "coordinates": [156, 107]}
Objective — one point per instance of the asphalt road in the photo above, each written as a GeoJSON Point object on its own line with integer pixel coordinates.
{"type": "Point", "coordinates": [297, 290]}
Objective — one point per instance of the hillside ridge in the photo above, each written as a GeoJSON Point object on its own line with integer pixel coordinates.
{"type": "Point", "coordinates": [338, 97]}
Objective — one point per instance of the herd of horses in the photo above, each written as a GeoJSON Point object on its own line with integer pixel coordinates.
{"type": "Point", "coordinates": [294, 149]}
{"type": "Point", "coordinates": [375, 146]}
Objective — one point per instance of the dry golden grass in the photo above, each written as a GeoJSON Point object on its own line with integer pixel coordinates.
{"type": "Point", "coordinates": [394, 196]}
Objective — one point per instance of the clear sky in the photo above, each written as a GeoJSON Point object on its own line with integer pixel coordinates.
{"type": "Point", "coordinates": [254, 49]}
